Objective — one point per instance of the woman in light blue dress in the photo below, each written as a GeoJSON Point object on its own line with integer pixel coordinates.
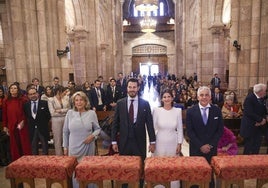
{"type": "Point", "coordinates": [80, 130]}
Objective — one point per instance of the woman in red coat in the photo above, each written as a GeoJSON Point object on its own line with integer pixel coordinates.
{"type": "Point", "coordinates": [14, 123]}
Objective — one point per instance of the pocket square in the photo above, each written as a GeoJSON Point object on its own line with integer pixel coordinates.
{"type": "Point", "coordinates": [42, 108]}
{"type": "Point", "coordinates": [216, 117]}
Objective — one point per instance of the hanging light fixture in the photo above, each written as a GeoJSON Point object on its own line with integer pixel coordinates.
{"type": "Point", "coordinates": [148, 24]}
{"type": "Point", "coordinates": [146, 5]}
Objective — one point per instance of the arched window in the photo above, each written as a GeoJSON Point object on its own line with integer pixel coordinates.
{"type": "Point", "coordinates": [226, 12]}
{"type": "Point", "coordinates": [135, 11]}
{"type": "Point", "coordinates": [69, 15]}
{"type": "Point", "coordinates": [161, 11]}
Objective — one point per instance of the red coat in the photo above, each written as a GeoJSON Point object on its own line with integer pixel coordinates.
{"type": "Point", "coordinates": [12, 115]}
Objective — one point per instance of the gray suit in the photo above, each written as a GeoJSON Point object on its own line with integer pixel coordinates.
{"type": "Point", "coordinates": [137, 131]}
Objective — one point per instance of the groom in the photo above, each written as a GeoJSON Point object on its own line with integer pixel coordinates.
{"type": "Point", "coordinates": [132, 117]}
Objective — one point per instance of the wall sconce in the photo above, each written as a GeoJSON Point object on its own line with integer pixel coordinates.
{"type": "Point", "coordinates": [62, 52]}
{"type": "Point", "coordinates": [236, 45]}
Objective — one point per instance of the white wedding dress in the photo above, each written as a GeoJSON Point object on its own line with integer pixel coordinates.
{"type": "Point", "coordinates": [169, 132]}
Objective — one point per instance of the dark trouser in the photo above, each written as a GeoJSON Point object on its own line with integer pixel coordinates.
{"type": "Point", "coordinates": [252, 145]}
{"type": "Point", "coordinates": [35, 143]}
{"type": "Point", "coordinates": [99, 107]}
{"type": "Point", "coordinates": [4, 149]}
{"type": "Point", "coordinates": [132, 148]}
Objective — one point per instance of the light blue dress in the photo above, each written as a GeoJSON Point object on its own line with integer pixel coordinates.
{"type": "Point", "coordinates": [77, 127]}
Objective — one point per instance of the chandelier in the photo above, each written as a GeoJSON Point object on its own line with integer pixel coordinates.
{"type": "Point", "coordinates": [146, 5]}
{"type": "Point", "coordinates": [148, 24]}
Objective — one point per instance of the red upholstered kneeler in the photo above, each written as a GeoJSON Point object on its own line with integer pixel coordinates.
{"type": "Point", "coordinates": [235, 169]}
{"type": "Point", "coordinates": [95, 169]}
{"type": "Point", "coordinates": [52, 168]}
{"type": "Point", "coordinates": [190, 170]}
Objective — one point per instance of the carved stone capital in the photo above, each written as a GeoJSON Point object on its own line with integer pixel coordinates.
{"type": "Point", "coordinates": [80, 32]}
{"type": "Point", "coordinates": [104, 46]}
{"type": "Point", "coordinates": [194, 44]}
{"type": "Point", "coordinates": [217, 28]}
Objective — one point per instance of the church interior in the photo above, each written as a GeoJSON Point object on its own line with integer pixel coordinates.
{"type": "Point", "coordinates": [105, 37]}
{"type": "Point", "coordinates": [79, 40]}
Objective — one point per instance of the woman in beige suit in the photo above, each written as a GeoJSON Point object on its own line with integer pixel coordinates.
{"type": "Point", "coordinates": [58, 107]}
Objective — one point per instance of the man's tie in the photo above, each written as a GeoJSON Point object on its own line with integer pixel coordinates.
{"type": "Point", "coordinates": [113, 90]}
{"type": "Point", "coordinates": [216, 81]}
{"type": "Point", "coordinates": [131, 112]}
{"type": "Point", "coordinates": [34, 108]}
{"type": "Point", "coordinates": [98, 92]}
{"type": "Point", "coordinates": [204, 115]}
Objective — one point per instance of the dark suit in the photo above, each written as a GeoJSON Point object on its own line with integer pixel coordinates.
{"type": "Point", "coordinates": [39, 125]}
{"type": "Point", "coordinates": [219, 102]}
{"type": "Point", "coordinates": [40, 90]}
{"type": "Point", "coordinates": [254, 111]}
{"type": "Point", "coordinates": [123, 85]}
{"type": "Point", "coordinates": [215, 83]}
{"type": "Point", "coordinates": [137, 131]}
{"type": "Point", "coordinates": [94, 99]}
{"type": "Point", "coordinates": [201, 134]}
{"type": "Point", "coordinates": [109, 95]}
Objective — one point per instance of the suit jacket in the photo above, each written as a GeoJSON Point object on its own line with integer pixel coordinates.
{"type": "Point", "coordinates": [201, 134]}
{"type": "Point", "coordinates": [213, 82]}
{"type": "Point", "coordinates": [218, 102]}
{"type": "Point", "coordinates": [121, 125]}
{"type": "Point", "coordinates": [40, 90]}
{"type": "Point", "coordinates": [94, 97]}
{"type": "Point", "coordinates": [41, 120]}
{"type": "Point", "coordinates": [110, 97]}
{"type": "Point", "coordinates": [253, 112]}
{"type": "Point", "coordinates": [123, 87]}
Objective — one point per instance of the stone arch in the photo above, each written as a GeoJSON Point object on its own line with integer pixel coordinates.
{"type": "Point", "coordinates": [215, 12]}
{"type": "Point", "coordinates": [81, 13]}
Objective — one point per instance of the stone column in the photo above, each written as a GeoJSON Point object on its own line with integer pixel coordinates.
{"type": "Point", "coordinates": [102, 66]}
{"type": "Point", "coordinates": [263, 46]}
{"type": "Point", "coordinates": [119, 35]}
{"type": "Point", "coordinates": [218, 50]}
{"type": "Point", "coordinates": [16, 44]}
{"type": "Point", "coordinates": [79, 55]}
{"type": "Point", "coordinates": [31, 34]}
{"type": "Point", "coordinates": [52, 36]}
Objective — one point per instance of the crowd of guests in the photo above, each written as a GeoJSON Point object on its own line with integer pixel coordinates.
{"type": "Point", "coordinates": [70, 112]}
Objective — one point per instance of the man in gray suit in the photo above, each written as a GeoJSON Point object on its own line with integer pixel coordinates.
{"type": "Point", "coordinates": [132, 116]}
{"type": "Point", "coordinates": [132, 139]}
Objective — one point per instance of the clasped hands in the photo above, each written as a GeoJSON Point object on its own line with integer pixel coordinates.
{"type": "Point", "coordinates": [206, 148]}
{"type": "Point", "coordinates": [263, 122]}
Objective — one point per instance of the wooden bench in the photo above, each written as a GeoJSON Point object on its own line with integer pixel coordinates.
{"type": "Point", "coordinates": [53, 168]}
{"type": "Point", "coordinates": [104, 114]}
{"type": "Point", "coordinates": [235, 169]}
{"type": "Point", "coordinates": [96, 169]}
{"type": "Point", "coordinates": [190, 170]}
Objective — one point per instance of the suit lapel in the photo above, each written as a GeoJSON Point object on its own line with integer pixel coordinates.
{"type": "Point", "coordinates": [139, 110]}
{"type": "Point", "coordinates": [199, 112]}
{"type": "Point", "coordinates": [29, 105]}
{"type": "Point", "coordinates": [126, 109]}
{"type": "Point", "coordinates": [210, 115]}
